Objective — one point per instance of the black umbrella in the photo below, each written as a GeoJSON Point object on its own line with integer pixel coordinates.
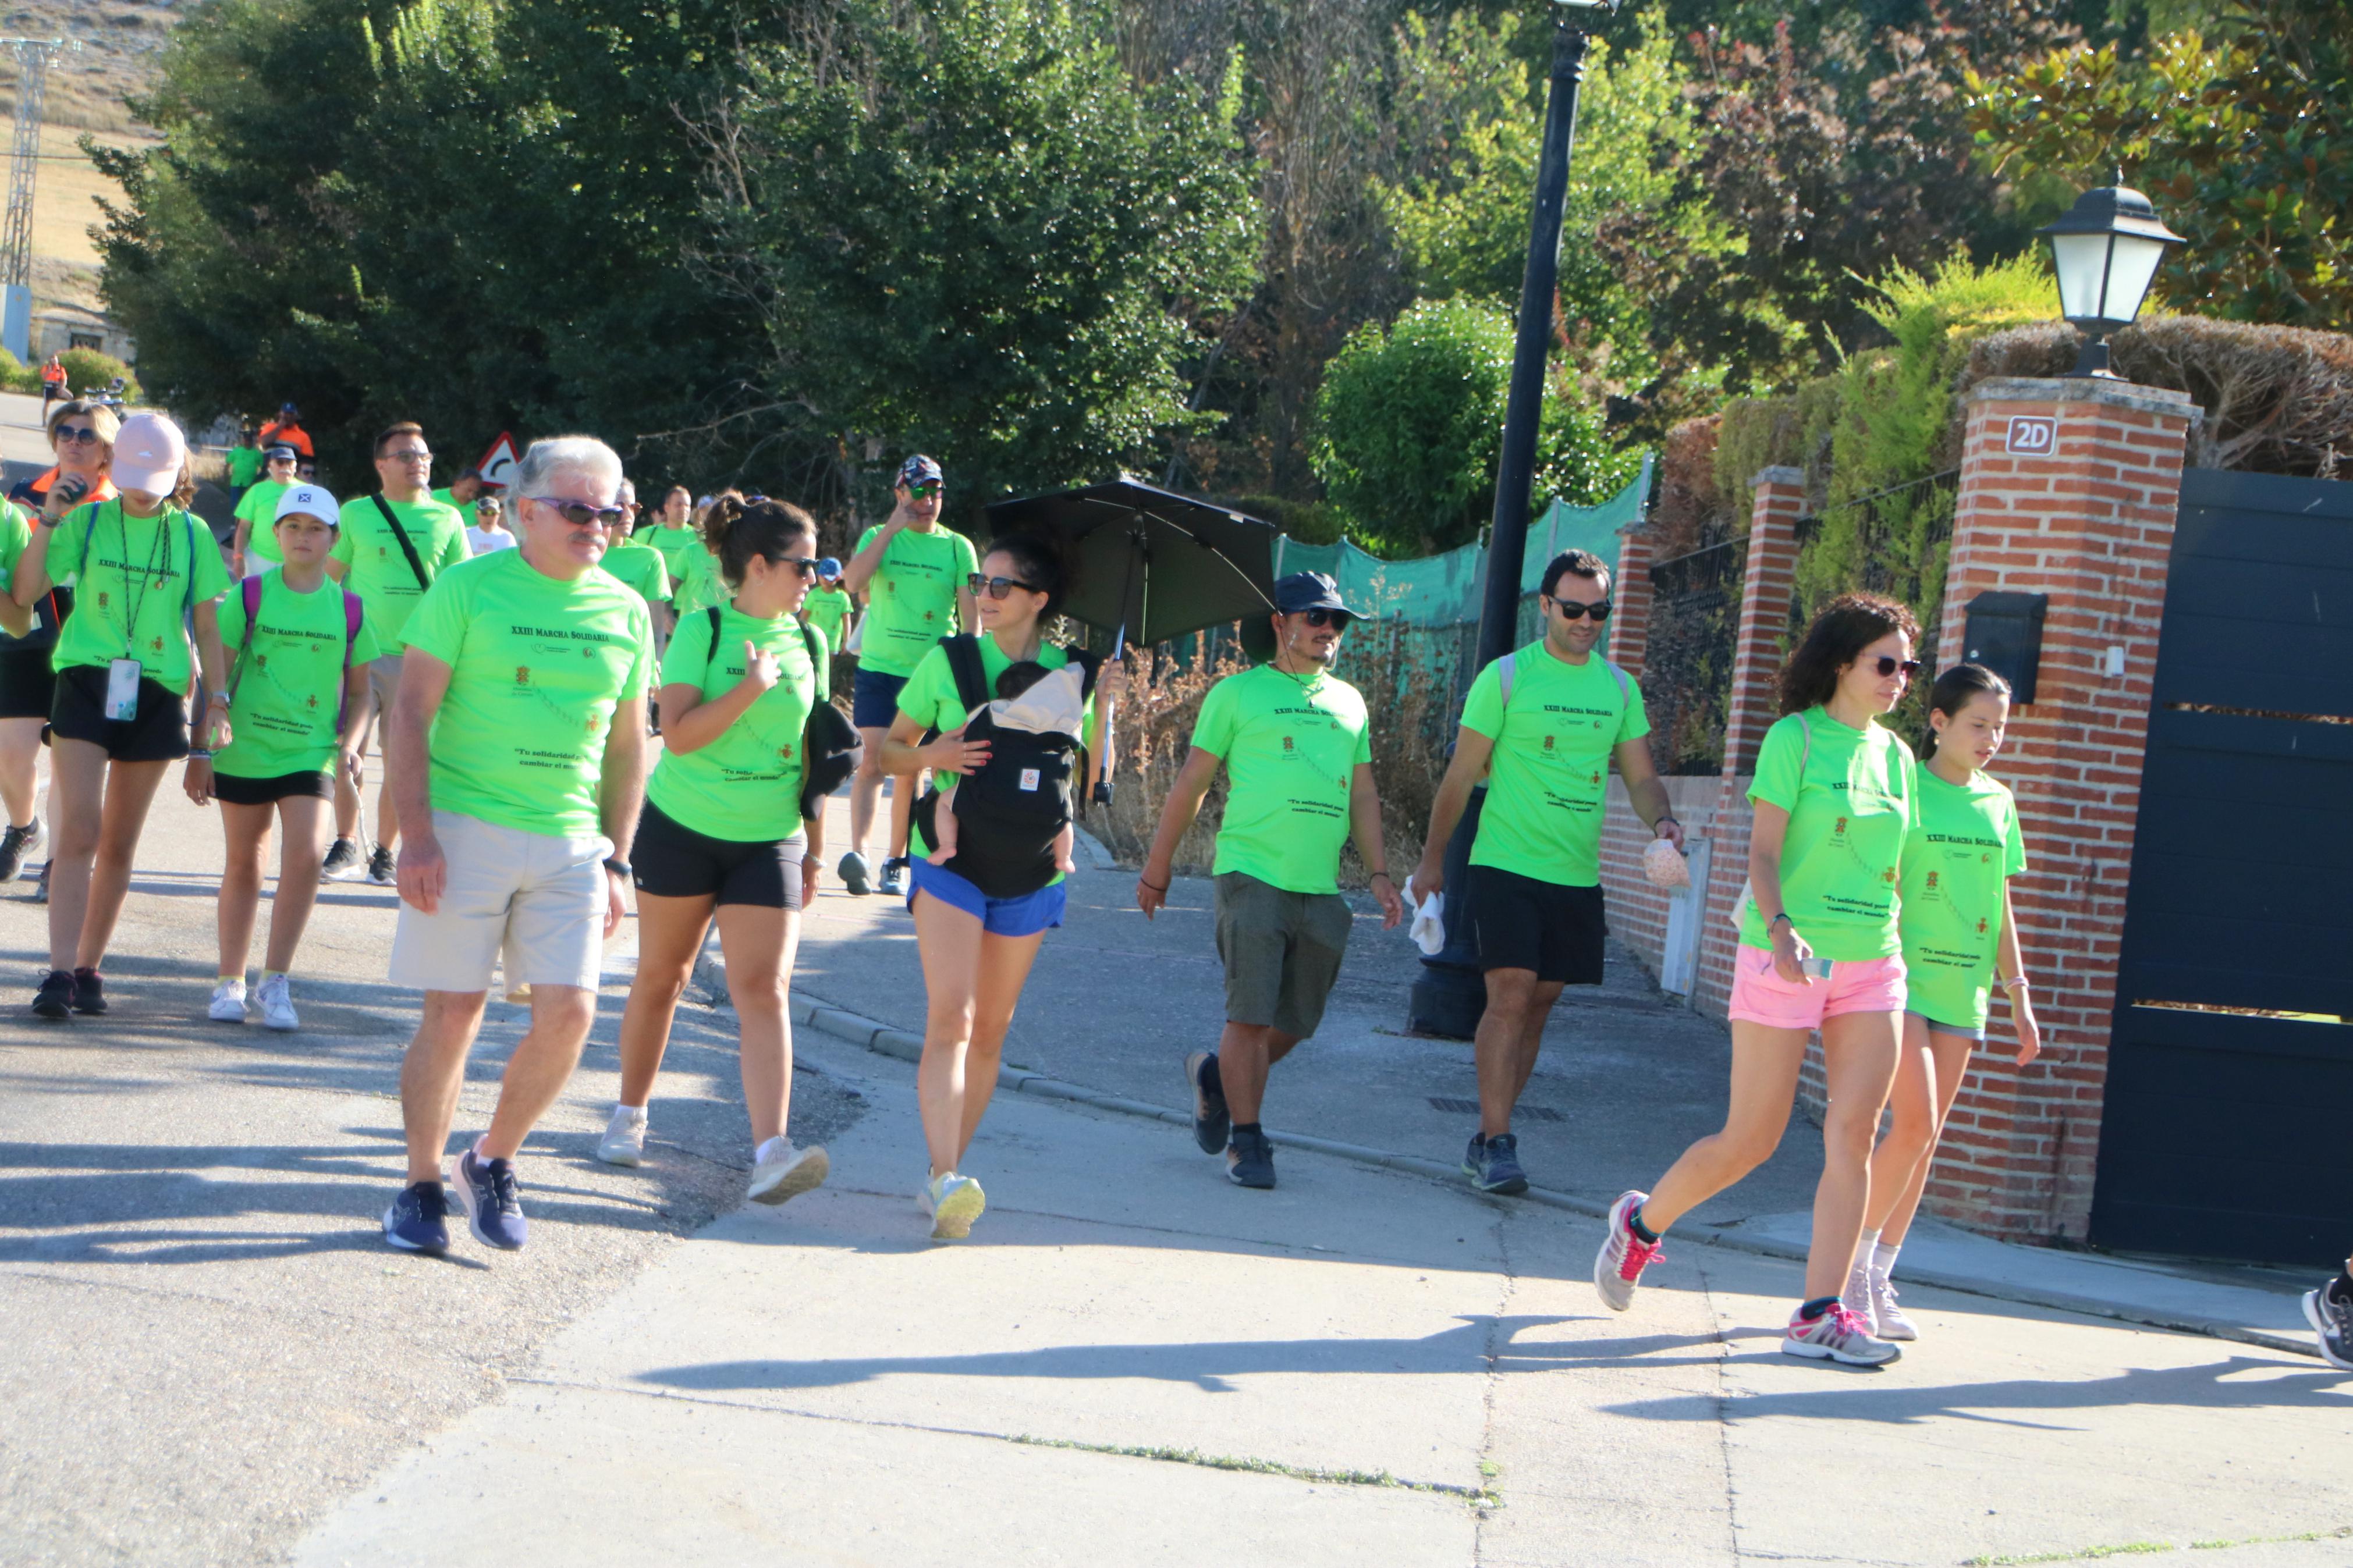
{"type": "Point", "coordinates": [1149, 565]}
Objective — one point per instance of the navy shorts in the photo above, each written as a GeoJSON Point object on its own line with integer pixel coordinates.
{"type": "Point", "coordinates": [1969, 1032]}
{"type": "Point", "coordinates": [874, 700]}
{"type": "Point", "coordinates": [1025, 916]}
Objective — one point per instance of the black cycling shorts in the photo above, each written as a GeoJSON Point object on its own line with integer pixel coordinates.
{"type": "Point", "coordinates": [315, 784]}
{"type": "Point", "coordinates": [671, 860]}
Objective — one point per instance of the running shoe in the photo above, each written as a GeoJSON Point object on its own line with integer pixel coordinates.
{"type": "Point", "coordinates": [1618, 1267]}
{"type": "Point", "coordinates": [854, 874]}
{"type": "Point", "coordinates": [380, 866]}
{"type": "Point", "coordinates": [954, 1202]}
{"type": "Point", "coordinates": [278, 1005]}
{"type": "Point", "coordinates": [1494, 1164]}
{"type": "Point", "coordinates": [781, 1173]}
{"type": "Point", "coordinates": [2331, 1317]}
{"type": "Point", "coordinates": [228, 1001]}
{"type": "Point", "coordinates": [1211, 1121]}
{"type": "Point", "coordinates": [1249, 1160]}
{"type": "Point", "coordinates": [487, 1192]}
{"type": "Point", "coordinates": [89, 993]}
{"type": "Point", "coordinates": [343, 860]}
{"type": "Point", "coordinates": [16, 845]}
{"type": "Point", "coordinates": [895, 877]}
{"type": "Point", "coordinates": [1856, 1296]}
{"type": "Point", "coordinates": [624, 1142]}
{"type": "Point", "coordinates": [1837, 1335]}
{"type": "Point", "coordinates": [413, 1222]}
{"type": "Point", "coordinates": [1887, 1320]}
{"type": "Point", "coordinates": [54, 999]}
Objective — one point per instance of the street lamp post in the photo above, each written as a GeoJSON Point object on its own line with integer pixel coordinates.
{"type": "Point", "coordinates": [1448, 998]}
{"type": "Point", "coordinates": [2107, 249]}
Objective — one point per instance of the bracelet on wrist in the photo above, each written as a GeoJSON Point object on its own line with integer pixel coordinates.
{"type": "Point", "coordinates": [618, 867]}
{"type": "Point", "coordinates": [2014, 983]}
{"type": "Point", "coordinates": [1777, 919]}
{"type": "Point", "coordinates": [1370, 875]}
{"type": "Point", "coordinates": [1155, 887]}
{"type": "Point", "coordinates": [198, 754]}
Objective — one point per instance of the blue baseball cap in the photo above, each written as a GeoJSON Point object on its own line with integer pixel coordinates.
{"type": "Point", "coordinates": [1309, 591]}
{"type": "Point", "coordinates": [919, 470]}
{"type": "Point", "coordinates": [828, 568]}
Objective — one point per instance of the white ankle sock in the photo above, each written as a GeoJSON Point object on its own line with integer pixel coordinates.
{"type": "Point", "coordinates": [629, 1112]}
{"type": "Point", "coordinates": [1883, 1259]}
{"type": "Point", "coordinates": [779, 1144]}
{"type": "Point", "coordinates": [1866, 1248]}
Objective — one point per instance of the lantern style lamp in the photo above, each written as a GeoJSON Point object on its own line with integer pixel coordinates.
{"type": "Point", "coordinates": [2107, 249]}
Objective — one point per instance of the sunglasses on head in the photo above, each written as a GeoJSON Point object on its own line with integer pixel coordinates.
{"type": "Point", "coordinates": [580, 514]}
{"type": "Point", "coordinates": [77, 434]}
{"type": "Point", "coordinates": [998, 588]}
{"type": "Point", "coordinates": [1887, 666]}
{"type": "Point", "coordinates": [1572, 611]}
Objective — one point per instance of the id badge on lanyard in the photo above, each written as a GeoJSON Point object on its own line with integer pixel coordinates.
{"type": "Point", "coordinates": [122, 679]}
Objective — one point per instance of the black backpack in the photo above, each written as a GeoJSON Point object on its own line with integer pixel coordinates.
{"type": "Point", "coordinates": [1009, 811]}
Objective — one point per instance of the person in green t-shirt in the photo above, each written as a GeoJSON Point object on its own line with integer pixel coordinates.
{"type": "Point", "coordinates": [1835, 794]}
{"type": "Point", "coordinates": [1295, 741]}
{"type": "Point", "coordinates": [518, 757]}
{"type": "Point", "coordinates": [255, 546]}
{"type": "Point", "coordinates": [391, 548]}
{"type": "Point", "coordinates": [671, 530]}
{"type": "Point", "coordinates": [463, 492]}
{"type": "Point", "coordinates": [913, 572]}
{"type": "Point", "coordinates": [723, 833]}
{"type": "Point", "coordinates": [1532, 900]}
{"type": "Point", "coordinates": [245, 462]}
{"type": "Point", "coordinates": [1959, 935]}
{"type": "Point", "coordinates": [145, 572]}
{"type": "Point", "coordinates": [642, 570]}
{"type": "Point", "coordinates": [297, 679]}
{"type": "Point", "coordinates": [828, 606]}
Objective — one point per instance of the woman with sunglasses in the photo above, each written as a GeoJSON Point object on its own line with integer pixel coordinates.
{"type": "Point", "coordinates": [977, 950]}
{"type": "Point", "coordinates": [82, 437]}
{"type": "Point", "coordinates": [1836, 794]}
{"type": "Point", "coordinates": [722, 832]}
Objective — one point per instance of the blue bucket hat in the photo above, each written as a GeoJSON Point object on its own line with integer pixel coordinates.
{"type": "Point", "coordinates": [1309, 591]}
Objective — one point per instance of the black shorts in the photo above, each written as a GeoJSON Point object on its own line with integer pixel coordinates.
{"type": "Point", "coordinates": [1521, 922]}
{"type": "Point", "coordinates": [157, 732]}
{"type": "Point", "coordinates": [28, 686]}
{"type": "Point", "coordinates": [671, 860]}
{"type": "Point", "coordinates": [314, 784]}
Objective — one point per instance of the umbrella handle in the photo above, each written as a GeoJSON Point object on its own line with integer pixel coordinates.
{"type": "Point", "coordinates": [1102, 779]}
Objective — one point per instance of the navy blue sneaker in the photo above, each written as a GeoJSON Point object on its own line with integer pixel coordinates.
{"type": "Point", "coordinates": [89, 992]}
{"type": "Point", "coordinates": [486, 1191]}
{"type": "Point", "coordinates": [1211, 1121]}
{"type": "Point", "coordinates": [1249, 1159]}
{"type": "Point", "coordinates": [1494, 1164]}
{"type": "Point", "coordinates": [54, 999]}
{"type": "Point", "coordinates": [413, 1223]}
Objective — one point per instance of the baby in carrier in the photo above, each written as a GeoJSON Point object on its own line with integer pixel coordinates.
{"type": "Point", "coordinates": [1027, 703]}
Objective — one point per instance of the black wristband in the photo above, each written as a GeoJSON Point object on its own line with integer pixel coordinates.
{"type": "Point", "coordinates": [618, 867]}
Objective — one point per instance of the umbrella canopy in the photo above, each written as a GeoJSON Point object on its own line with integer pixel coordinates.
{"type": "Point", "coordinates": [1153, 563]}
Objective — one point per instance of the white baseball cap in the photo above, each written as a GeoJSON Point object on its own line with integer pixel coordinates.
{"type": "Point", "coordinates": [149, 453]}
{"type": "Point", "coordinates": [311, 500]}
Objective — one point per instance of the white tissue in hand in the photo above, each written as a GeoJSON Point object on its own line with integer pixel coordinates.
{"type": "Point", "coordinates": [1663, 864]}
{"type": "Point", "coordinates": [1429, 932]}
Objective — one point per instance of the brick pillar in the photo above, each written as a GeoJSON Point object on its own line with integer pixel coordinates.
{"type": "Point", "coordinates": [1776, 500]}
{"type": "Point", "coordinates": [2070, 489]}
{"type": "Point", "coordinates": [1630, 587]}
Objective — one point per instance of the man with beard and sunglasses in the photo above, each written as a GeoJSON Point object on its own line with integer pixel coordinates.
{"type": "Point", "coordinates": [391, 548]}
{"type": "Point", "coordinates": [519, 763]}
{"type": "Point", "coordinates": [1544, 723]}
{"type": "Point", "coordinates": [1294, 741]}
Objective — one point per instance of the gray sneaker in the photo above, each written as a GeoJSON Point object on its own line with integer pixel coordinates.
{"type": "Point", "coordinates": [854, 873]}
{"type": "Point", "coordinates": [1618, 1267]}
{"type": "Point", "coordinates": [18, 845]}
{"type": "Point", "coordinates": [1837, 1335]}
{"type": "Point", "coordinates": [1249, 1160]}
{"type": "Point", "coordinates": [895, 877]}
{"type": "Point", "coordinates": [1494, 1164]}
{"type": "Point", "coordinates": [2331, 1317]}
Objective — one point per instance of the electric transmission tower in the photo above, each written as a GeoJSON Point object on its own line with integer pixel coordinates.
{"type": "Point", "coordinates": [33, 57]}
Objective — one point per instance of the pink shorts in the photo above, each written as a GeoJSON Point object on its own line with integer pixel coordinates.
{"type": "Point", "coordinates": [1760, 995]}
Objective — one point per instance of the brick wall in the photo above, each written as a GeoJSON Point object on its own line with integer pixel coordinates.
{"type": "Point", "coordinates": [1630, 593]}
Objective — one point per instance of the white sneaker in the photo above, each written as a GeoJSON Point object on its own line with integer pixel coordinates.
{"type": "Point", "coordinates": [625, 1138]}
{"type": "Point", "coordinates": [954, 1202]}
{"type": "Point", "coordinates": [781, 1173]}
{"type": "Point", "coordinates": [1857, 1297]}
{"type": "Point", "coordinates": [1888, 1319]}
{"type": "Point", "coordinates": [278, 1005]}
{"type": "Point", "coordinates": [1837, 1335]}
{"type": "Point", "coordinates": [228, 1002]}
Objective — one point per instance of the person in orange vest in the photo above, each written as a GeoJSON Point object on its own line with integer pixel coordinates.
{"type": "Point", "coordinates": [53, 383]}
{"type": "Point", "coordinates": [286, 431]}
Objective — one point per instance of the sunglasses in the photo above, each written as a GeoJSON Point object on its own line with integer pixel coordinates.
{"type": "Point", "coordinates": [1887, 666]}
{"type": "Point", "coordinates": [998, 588]}
{"type": "Point", "coordinates": [413, 454]}
{"type": "Point", "coordinates": [1339, 618]}
{"type": "Point", "coordinates": [805, 564]}
{"type": "Point", "coordinates": [580, 514]}
{"type": "Point", "coordinates": [76, 434]}
{"type": "Point", "coordinates": [1570, 610]}
{"type": "Point", "coordinates": [923, 489]}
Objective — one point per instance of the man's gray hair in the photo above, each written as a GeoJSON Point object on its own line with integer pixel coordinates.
{"type": "Point", "coordinates": [564, 455]}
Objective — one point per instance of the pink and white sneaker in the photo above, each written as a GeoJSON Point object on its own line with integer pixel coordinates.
{"type": "Point", "coordinates": [1837, 1335]}
{"type": "Point", "coordinates": [1618, 1267]}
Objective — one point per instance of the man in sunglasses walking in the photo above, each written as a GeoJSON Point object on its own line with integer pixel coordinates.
{"type": "Point", "coordinates": [912, 572]}
{"type": "Point", "coordinates": [392, 547]}
{"type": "Point", "coordinates": [1543, 723]}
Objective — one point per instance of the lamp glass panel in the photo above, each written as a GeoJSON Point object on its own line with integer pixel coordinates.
{"type": "Point", "coordinates": [2082, 263]}
{"type": "Point", "coordinates": [2129, 277]}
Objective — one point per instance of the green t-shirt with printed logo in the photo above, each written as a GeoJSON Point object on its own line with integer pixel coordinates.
{"type": "Point", "coordinates": [911, 600]}
{"type": "Point", "coordinates": [1965, 846]}
{"type": "Point", "coordinates": [135, 587]}
{"type": "Point", "coordinates": [246, 464]}
{"type": "Point", "coordinates": [930, 699]}
{"type": "Point", "coordinates": [379, 570]}
{"type": "Point", "coordinates": [678, 546]}
{"type": "Point", "coordinates": [746, 785]}
{"type": "Point", "coordinates": [1291, 744]}
{"type": "Point", "coordinates": [829, 610]}
{"type": "Point", "coordinates": [1852, 796]}
{"type": "Point", "coordinates": [641, 568]}
{"type": "Point", "coordinates": [699, 585]}
{"type": "Point", "coordinates": [537, 666]}
{"type": "Point", "coordinates": [1550, 772]}
{"type": "Point", "coordinates": [259, 507]}
{"type": "Point", "coordinates": [287, 686]}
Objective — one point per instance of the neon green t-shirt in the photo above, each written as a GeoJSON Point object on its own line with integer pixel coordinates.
{"type": "Point", "coordinates": [379, 570]}
{"type": "Point", "coordinates": [1849, 815]}
{"type": "Point", "coordinates": [134, 589]}
{"type": "Point", "coordinates": [746, 785]}
{"type": "Point", "coordinates": [678, 547]}
{"type": "Point", "coordinates": [1966, 845]}
{"type": "Point", "coordinates": [16, 532]}
{"type": "Point", "coordinates": [1550, 772]}
{"type": "Point", "coordinates": [245, 465]}
{"type": "Point", "coordinates": [286, 697]}
{"type": "Point", "coordinates": [259, 507]}
{"type": "Point", "coordinates": [930, 699]}
{"type": "Point", "coordinates": [701, 586]}
{"type": "Point", "coordinates": [536, 667]}
{"type": "Point", "coordinates": [911, 600]}
{"type": "Point", "coordinates": [1290, 746]}
{"type": "Point", "coordinates": [641, 569]}
{"type": "Point", "coordinates": [829, 610]}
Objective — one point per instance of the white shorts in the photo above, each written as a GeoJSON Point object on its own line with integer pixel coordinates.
{"type": "Point", "coordinates": [536, 901]}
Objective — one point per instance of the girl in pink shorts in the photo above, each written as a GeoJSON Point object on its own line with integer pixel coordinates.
{"type": "Point", "coordinates": [1835, 794]}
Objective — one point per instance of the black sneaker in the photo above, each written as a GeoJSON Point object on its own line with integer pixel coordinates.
{"type": "Point", "coordinates": [1249, 1160]}
{"type": "Point", "coordinates": [413, 1223]}
{"type": "Point", "coordinates": [88, 992]}
{"type": "Point", "coordinates": [343, 859]}
{"type": "Point", "coordinates": [380, 866]}
{"type": "Point", "coordinates": [1494, 1164]}
{"type": "Point", "coordinates": [41, 888]}
{"type": "Point", "coordinates": [54, 999]}
{"type": "Point", "coordinates": [1211, 1121]}
{"type": "Point", "coordinates": [2331, 1317]}
{"type": "Point", "coordinates": [487, 1192]}
{"type": "Point", "coordinates": [16, 844]}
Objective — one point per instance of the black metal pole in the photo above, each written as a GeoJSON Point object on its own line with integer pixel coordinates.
{"type": "Point", "coordinates": [1448, 998]}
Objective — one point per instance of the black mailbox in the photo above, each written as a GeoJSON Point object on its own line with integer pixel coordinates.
{"type": "Point", "coordinates": [2005, 634]}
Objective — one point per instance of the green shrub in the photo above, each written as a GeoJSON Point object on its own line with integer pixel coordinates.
{"type": "Point", "coordinates": [86, 371]}
{"type": "Point", "coordinates": [16, 376]}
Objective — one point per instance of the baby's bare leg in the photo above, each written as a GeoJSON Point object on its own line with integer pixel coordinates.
{"type": "Point", "coordinates": [1066, 844]}
{"type": "Point", "coordinates": [944, 824]}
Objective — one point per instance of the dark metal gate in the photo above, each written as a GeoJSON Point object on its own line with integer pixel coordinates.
{"type": "Point", "coordinates": [2228, 1130]}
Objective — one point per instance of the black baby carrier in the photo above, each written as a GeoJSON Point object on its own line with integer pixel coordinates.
{"type": "Point", "coordinates": [1009, 811]}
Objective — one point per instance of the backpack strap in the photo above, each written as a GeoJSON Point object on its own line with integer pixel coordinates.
{"type": "Point", "coordinates": [971, 674]}
{"type": "Point", "coordinates": [712, 611]}
{"type": "Point", "coordinates": [400, 534]}
{"type": "Point", "coordinates": [249, 592]}
{"type": "Point", "coordinates": [1505, 668]}
{"type": "Point", "coordinates": [1089, 664]}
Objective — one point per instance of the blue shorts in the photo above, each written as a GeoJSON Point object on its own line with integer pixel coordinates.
{"type": "Point", "coordinates": [874, 700]}
{"type": "Point", "coordinates": [1025, 916]}
{"type": "Point", "coordinates": [1977, 1032]}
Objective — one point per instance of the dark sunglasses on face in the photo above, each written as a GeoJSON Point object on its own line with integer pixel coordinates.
{"type": "Point", "coordinates": [1339, 618]}
{"type": "Point", "coordinates": [923, 489]}
{"type": "Point", "coordinates": [580, 514]}
{"type": "Point", "coordinates": [414, 455]}
{"type": "Point", "coordinates": [1887, 666]}
{"type": "Point", "coordinates": [1572, 611]}
{"type": "Point", "coordinates": [998, 588]}
{"type": "Point", "coordinates": [805, 564]}
{"type": "Point", "coordinates": [76, 434]}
